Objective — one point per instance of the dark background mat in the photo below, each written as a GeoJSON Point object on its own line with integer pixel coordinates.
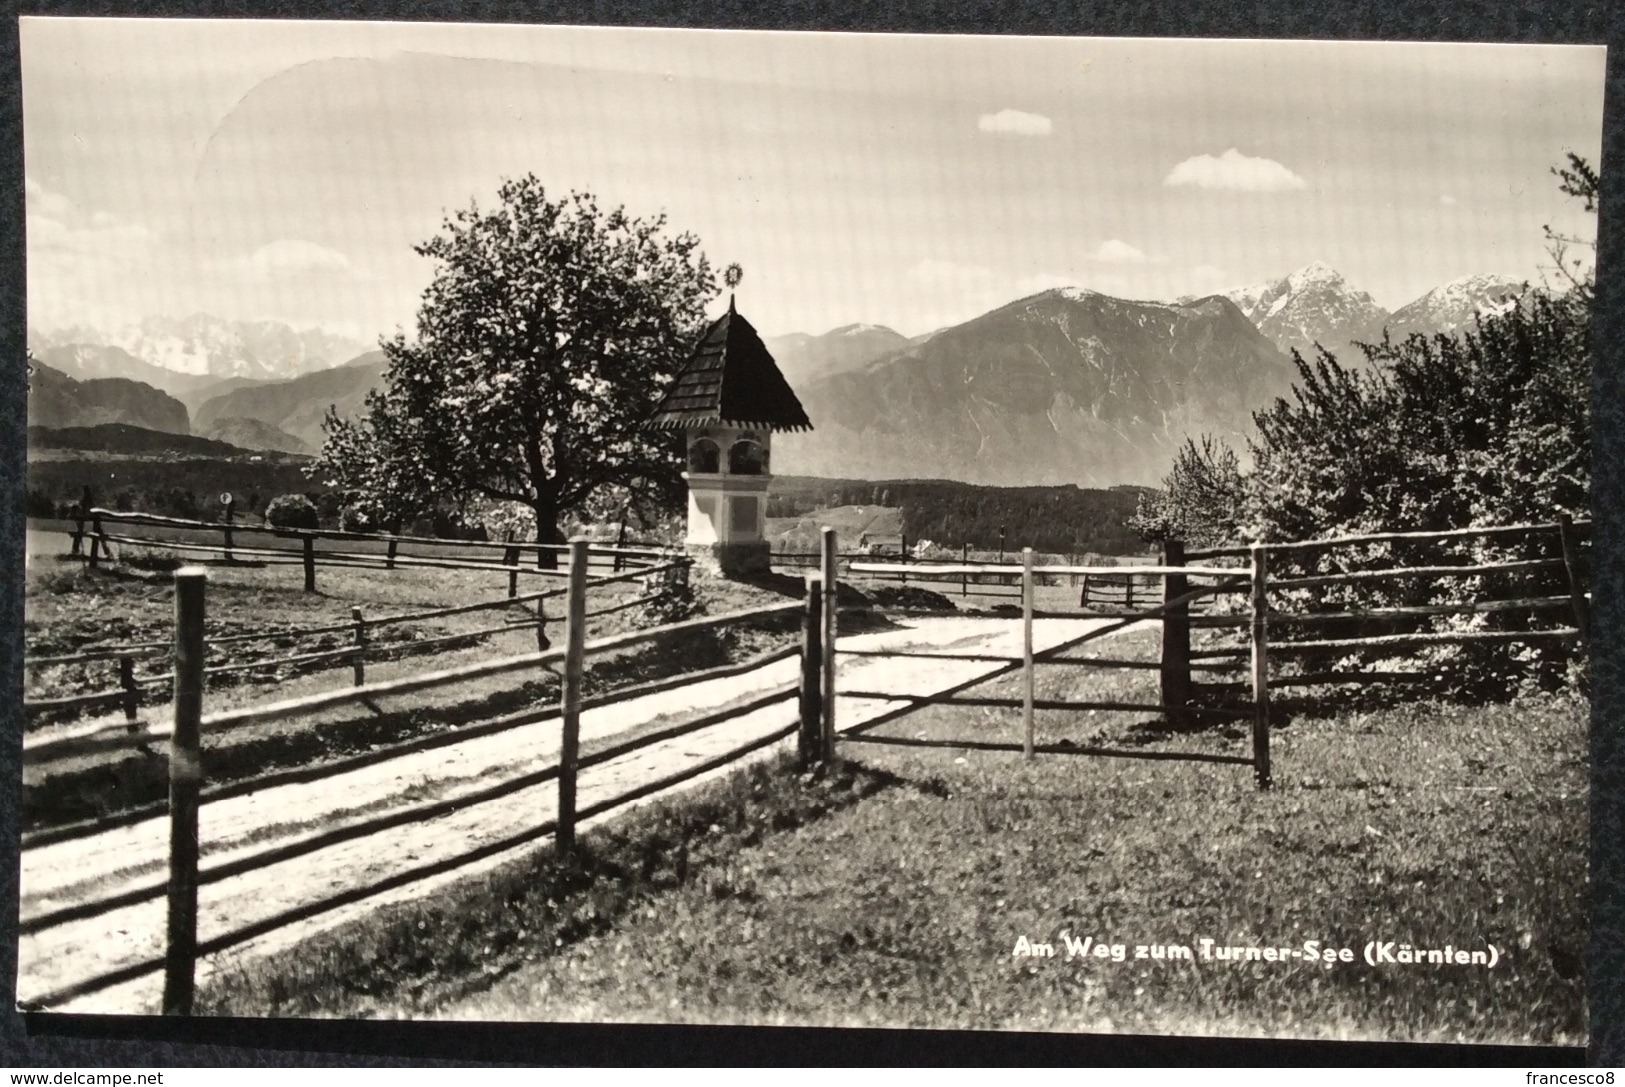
{"type": "Point", "coordinates": [61, 1041]}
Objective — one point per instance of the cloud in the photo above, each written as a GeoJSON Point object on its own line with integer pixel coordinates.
{"type": "Point", "coordinates": [1234, 172]}
{"type": "Point", "coordinates": [58, 228]}
{"type": "Point", "coordinates": [83, 267]}
{"type": "Point", "coordinates": [1013, 122]}
{"type": "Point", "coordinates": [288, 257]}
{"type": "Point", "coordinates": [1114, 251]}
{"type": "Point", "coordinates": [42, 202]}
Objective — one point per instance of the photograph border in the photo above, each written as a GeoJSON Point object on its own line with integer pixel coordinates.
{"type": "Point", "coordinates": [64, 1040]}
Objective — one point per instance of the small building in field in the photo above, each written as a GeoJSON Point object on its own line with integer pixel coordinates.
{"type": "Point", "coordinates": [728, 400]}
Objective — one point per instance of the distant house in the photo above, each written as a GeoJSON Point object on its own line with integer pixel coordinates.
{"type": "Point", "coordinates": [879, 545]}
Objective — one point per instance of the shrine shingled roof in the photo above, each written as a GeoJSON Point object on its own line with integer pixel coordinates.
{"type": "Point", "coordinates": [731, 380]}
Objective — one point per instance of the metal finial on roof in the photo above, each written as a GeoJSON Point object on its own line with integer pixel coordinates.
{"type": "Point", "coordinates": [731, 276]}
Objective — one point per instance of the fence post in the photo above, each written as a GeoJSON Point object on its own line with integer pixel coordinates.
{"type": "Point", "coordinates": [542, 644]}
{"type": "Point", "coordinates": [620, 542]}
{"type": "Point", "coordinates": [96, 533]}
{"type": "Point", "coordinates": [1027, 650]}
{"type": "Point", "coordinates": [1176, 638]}
{"type": "Point", "coordinates": [389, 559]}
{"type": "Point", "coordinates": [1128, 592]}
{"type": "Point", "coordinates": [185, 780]}
{"type": "Point", "coordinates": [575, 638]}
{"type": "Point", "coordinates": [964, 578]}
{"type": "Point", "coordinates": [231, 506]}
{"type": "Point", "coordinates": [832, 592]}
{"type": "Point", "coordinates": [1261, 667]}
{"type": "Point", "coordinates": [810, 745]}
{"type": "Point", "coordinates": [132, 694]}
{"type": "Point", "coordinates": [360, 645]}
{"type": "Point", "coordinates": [1571, 564]}
{"type": "Point", "coordinates": [510, 559]}
{"type": "Point", "coordinates": [1083, 597]}
{"type": "Point", "coordinates": [310, 561]}
{"type": "Point", "coordinates": [78, 545]}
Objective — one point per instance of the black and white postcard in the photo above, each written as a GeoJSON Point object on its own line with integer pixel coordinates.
{"type": "Point", "coordinates": [543, 523]}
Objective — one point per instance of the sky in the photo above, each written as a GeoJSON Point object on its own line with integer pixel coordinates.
{"type": "Point", "coordinates": [285, 170]}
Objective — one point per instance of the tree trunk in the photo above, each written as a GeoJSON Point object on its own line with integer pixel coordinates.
{"type": "Point", "coordinates": [547, 532]}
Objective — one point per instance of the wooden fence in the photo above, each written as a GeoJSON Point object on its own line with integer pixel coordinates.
{"type": "Point", "coordinates": [1107, 587]}
{"type": "Point", "coordinates": [224, 540]}
{"type": "Point", "coordinates": [183, 739]}
{"type": "Point", "coordinates": [133, 688]}
{"type": "Point", "coordinates": [1521, 596]}
{"type": "Point", "coordinates": [1555, 554]}
{"type": "Point", "coordinates": [1173, 602]}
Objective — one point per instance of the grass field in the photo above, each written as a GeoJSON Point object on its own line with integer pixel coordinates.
{"type": "Point", "coordinates": [894, 889]}
{"type": "Point", "coordinates": [893, 892]}
{"type": "Point", "coordinates": [69, 607]}
{"type": "Point", "coordinates": [1426, 826]}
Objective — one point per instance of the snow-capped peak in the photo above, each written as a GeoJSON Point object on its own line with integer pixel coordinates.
{"type": "Point", "coordinates": [1076, 294]}
{"type": "Point", "coordinates": [1453, 305]}
{"type": "Point", "coordinates": [1315, 273]}
{"type": "Point", "coordinates": [1472, 287]}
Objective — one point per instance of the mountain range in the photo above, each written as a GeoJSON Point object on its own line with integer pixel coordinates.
{"type": "Point", "coordinates": [291, 411]}
{"type": "Point", "coordinates": [1316, 305]}
{"type": "Point", "coordinates": [202, 346]}
{"type": "Point", "coordinates": [1066, 386]}
{"type": "Point", "coordinates": [803, 358]}
{"type": "Point", "coordinates": [57, 400]}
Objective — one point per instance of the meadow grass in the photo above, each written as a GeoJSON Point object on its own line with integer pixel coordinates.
{"type": "Point", "coordinates": [1428, 824]}
{"type": "Point", "coordinates": [773, 897]}
{"type": "Point", "coordinates": [69, 606]}
{"type": "Point", "coordinates": [409, 958]}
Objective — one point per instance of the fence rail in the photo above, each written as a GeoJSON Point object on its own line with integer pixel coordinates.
{"type": "Point", "coordinates": [620, 555]}
{"type": "Point", "coordinates": [183, 738]}
{"type": "Point", "coordinates": [1264, 618]}
{"type": "Point", "coordinates": [814, 693]}
{"type": "Point", "coordinates": [362, 649]}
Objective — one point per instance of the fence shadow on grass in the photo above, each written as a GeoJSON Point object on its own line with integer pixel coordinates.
{"type": "Point", "coordinates": [415, 956]}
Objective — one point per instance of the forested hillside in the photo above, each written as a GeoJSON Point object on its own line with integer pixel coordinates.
{"type": "Point", "coordinates": [1063, 520]}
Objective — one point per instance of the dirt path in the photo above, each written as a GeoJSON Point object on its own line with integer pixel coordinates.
{"type": "Point", "coordinates": [135, 856]}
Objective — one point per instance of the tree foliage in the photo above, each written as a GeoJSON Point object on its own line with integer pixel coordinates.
{"type": "Point", "coordinates": [548, 335]}
{"type": "Point", "coordinates": [292, 511]}
{"type": "Point", "coordinates": [1200, 501]}
{"type": "Point", "coordinates": [1487, 426]}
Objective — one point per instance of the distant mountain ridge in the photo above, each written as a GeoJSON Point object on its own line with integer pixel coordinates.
{"type": "Point", "coordinates": [1317, 305]}
{"type": "Point", "coordinates": [1454, 305]}
{"type": "Point", "coordinates": [1314, 304]}
{"type": "Point", "coordinates": [803, 358]}
{"type": "Point", "coordinates": [205, 346]}
{"type": "Point", "coordinates": [1067, 386]}
{"type": "Point", "coordinates": [128, 440]}
{"type": "Point", "coordinates": [296, 408]}
{"type": "Point", "coordinates": [250, 433]}
{"type": "Point", "coordinates": [57, 400]}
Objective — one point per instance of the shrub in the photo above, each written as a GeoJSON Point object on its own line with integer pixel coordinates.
{"type": "Point", "coordinates": [39, 504]}
{"type": "Point", "coordinates": [357, 518]}
{"type": "Point", "coordinates": [292, 511]}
